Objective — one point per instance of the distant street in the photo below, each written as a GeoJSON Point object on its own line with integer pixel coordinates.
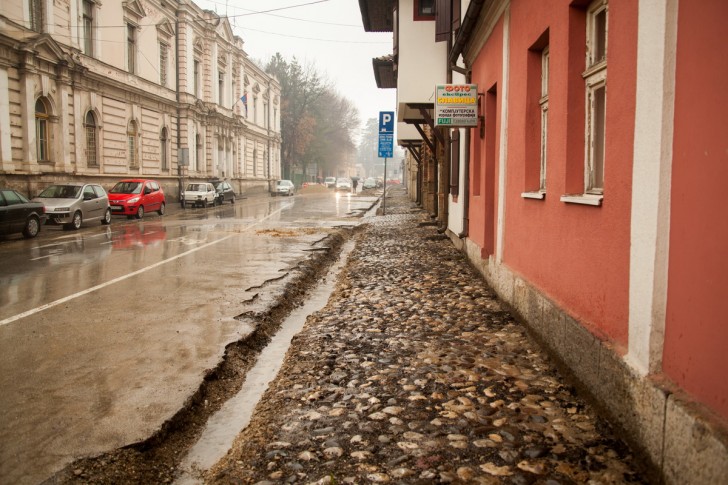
{"type": "Point", "coordinates": [107, 331]}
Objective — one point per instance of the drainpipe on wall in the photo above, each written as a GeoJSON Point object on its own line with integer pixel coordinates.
{"type": "Point", "coordinates": [180, 182]}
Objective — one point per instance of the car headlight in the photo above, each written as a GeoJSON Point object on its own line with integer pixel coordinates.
{"type": "Point", "coordinates": [133, 200]}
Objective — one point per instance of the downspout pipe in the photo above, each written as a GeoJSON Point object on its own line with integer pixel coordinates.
{"type": "Point", "coordinates": [180, 169]}
{"type": "Point", "coordinates": [461, 40]}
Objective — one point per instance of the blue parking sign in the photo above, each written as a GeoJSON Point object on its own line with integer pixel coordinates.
{"type": "Point", "coordinates": [386, 122]}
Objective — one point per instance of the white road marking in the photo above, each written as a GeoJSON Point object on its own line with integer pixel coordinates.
{"type": "Point", "coordinates": [103, 285]}
{"type": "Point", "coordinates": [121, 278]}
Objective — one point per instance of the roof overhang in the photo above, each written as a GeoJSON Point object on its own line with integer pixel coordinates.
{"type": "Point", "coordinates": [418, 114]}
{"type": "Point", "coordinates": [377, 15]}
{"type": "Point", "coordinates": [384, 72]}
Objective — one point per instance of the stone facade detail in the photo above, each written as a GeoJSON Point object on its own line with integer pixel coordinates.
{"type": "Point", "coordinates": [108, 90]}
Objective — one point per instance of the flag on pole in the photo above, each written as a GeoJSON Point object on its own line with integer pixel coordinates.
{"type": "Point", "coordinates": [244, 99]}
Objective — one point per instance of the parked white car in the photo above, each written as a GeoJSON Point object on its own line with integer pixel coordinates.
{"type": "Point", "coordinates": [199, 193]}
{"type": "Point", "coordinates": [285, 187]}
{"type": "Point", "coordinates": [343, 184]}
{"type": "Point", "coordinates": [330, 182]}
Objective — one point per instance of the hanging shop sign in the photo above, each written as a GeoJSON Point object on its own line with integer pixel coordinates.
{"type": "Point", "coordinates": [456, 105]}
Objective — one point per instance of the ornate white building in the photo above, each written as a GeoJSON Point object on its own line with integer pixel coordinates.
{"type": "Point", "coordinates": [110, 89]}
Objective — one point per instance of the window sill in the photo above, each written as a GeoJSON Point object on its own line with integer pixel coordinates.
{"type": "Point", "coordinates": [584, 199]}
{"type": "Point", "coordinates": [534, 195]}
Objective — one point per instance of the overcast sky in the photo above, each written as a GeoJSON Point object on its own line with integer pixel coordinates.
{"type": "Point", "coordinates": [327, 33]}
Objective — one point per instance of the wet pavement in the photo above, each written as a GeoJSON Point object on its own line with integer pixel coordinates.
{"type": "Point", "coordinates": [414, 373]}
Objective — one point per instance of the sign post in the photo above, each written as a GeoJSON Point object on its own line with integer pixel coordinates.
{"type": "Point", "coordinates": [386, 147]}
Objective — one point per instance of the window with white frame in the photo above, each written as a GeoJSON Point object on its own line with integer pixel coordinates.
{"type": "Point", "coordinates": [91, 140]}
{"type": "Point", "coordinates": [131, 136]}
{"type": "Point", "coordinates": [42, 135]}
{"type": "Point", "coordinates": [595, 77]}
{"type": "Point", "coordinates": [163, 155]}
{"type": "Point", "coordinates": [544, 102]}
{"type": "Point", "coordinates": [131, 48]}
{"type": "Point", "coordinates": [163, 57]}
{"type": "Point", "coordinates": [37, 15]}
{"type": "Point", "coordinates": [221, 87]}
{"type": "Point", "coordinates": [196, 74]}
{"type": "Point", "coordinates": [88, 30]}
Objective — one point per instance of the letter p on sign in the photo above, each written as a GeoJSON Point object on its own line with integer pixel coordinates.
{"type": "Point", "coordinates": [386, 122]}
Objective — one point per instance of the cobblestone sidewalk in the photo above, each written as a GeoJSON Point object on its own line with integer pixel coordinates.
{"type": "Point", "coordinates": [414, 373]}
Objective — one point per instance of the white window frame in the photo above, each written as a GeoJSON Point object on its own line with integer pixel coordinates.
{"type": "Point", "coordinates": [132, 39]}
{"type": "Point", "coordinates": [544, 102]}
{"type": "Point", "coordinates": [196, 72]}
{"type": "Point", "coordinates": [89, 22]}
{"type": "Point", "coordinates": [163, 63]}
{"type": "Point", "coordinates": [595, 78]}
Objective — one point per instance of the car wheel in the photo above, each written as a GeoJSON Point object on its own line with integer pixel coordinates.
{"type": "Point", "coordinates": [32, 227]}
{"type": "Point", "coordinates": [76, 222]}
{"type": "Point", "coordinates": [107, 218]}
{"type": "Point", "coordinates": [140, 212]}
{"type": "Point", "coordinates": [161, 209]}
{"type": "Point", "coordinates": [204, 204]}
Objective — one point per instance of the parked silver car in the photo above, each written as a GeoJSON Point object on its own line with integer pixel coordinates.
{"type": "Point", "coordinates": [284, 187]}
{"type": "Point", "coordinates": [73, 204]}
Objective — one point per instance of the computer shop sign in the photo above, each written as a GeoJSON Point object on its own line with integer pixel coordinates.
{"type": "Point", "coordinates": [457, 105]}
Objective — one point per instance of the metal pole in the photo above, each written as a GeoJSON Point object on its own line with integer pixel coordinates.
{"type": "Point", "coordinates": [384, 199]}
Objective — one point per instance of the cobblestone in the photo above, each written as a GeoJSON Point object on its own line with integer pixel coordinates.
{"type": "Point", "coordinates": [415, 373]}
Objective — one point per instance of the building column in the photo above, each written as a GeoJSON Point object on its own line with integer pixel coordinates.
{"type": "Point", "coordinates": [6, 154]}
{"type": "Point", "coordinates": [651, 174]}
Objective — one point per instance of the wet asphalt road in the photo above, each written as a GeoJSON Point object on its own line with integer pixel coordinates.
{"type": "Point", "coordinates": [105, 332]}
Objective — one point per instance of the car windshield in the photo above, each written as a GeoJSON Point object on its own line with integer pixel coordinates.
{"type": "Point", "coordinates": [284, 182]}
{"type": "Point", "coordinates": [343, 181]}
{"type": "Point", "coordinates": [196, 187]}
{"type": "Point", "coordinates": [127, 188]}
{"type": "Point", "coordinates": [61, 192]}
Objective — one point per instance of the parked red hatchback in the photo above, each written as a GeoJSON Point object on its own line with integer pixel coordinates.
{"type": "Point", "coordinates": [135, 197]}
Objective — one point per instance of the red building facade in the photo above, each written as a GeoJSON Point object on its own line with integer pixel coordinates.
{"type": "Point", "coordinates": [595, 206]}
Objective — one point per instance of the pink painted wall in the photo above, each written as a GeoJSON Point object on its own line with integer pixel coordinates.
{"type": "Point", "coordinates": [577, 255]}
{"type": "Point", "coordinates": [487, 74]}
{"type": "Point", "coordinates": [696, 333]}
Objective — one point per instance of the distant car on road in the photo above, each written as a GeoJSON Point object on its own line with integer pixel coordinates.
{"type": "Point", "coordinates": [18, 214]}
{"type": "Point", "coordinates": [199, 194]}
{"type": "Point", "coordinates": [369, 183]}
{"type": "Point", "coordinates": [134, 197]}
{"type": "Point", "coordinates": [330, 182]}
{"type": "Point", "coordinates": [285, 187]}
{"type": "Point", "coordinates": [73, 203]}
{"type": "Point", "coordinates": [343, 184]}
{"type": "Point", "coordinates": [224, 191]}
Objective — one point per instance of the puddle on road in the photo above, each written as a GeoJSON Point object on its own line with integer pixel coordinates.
{"type": "Point", "coordinates": [234, 416]}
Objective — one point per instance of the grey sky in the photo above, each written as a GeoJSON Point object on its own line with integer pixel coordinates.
{"type": "Point", "coordinates": [326, 33]}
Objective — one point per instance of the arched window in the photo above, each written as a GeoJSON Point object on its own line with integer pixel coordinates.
{"type": "Point", "coordinates": [41, 130]}
{"type": "Point", "coordinates": [131, 134]}
{"type": "Point", "coordinates": [163, 148]}
{"type": "Point", "coordinates": [91, 137]}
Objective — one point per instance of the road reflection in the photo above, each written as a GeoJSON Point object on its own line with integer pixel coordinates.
{"type": "Point", "coordinates": [139, 236]}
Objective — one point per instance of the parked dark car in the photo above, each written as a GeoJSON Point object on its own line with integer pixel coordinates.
{"type": "Point", "coordinates": [134, 197]}
{"type": "Point", "coordinates": [18, 214]}
{"type": "Point", "coordinates": [225, 192]}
